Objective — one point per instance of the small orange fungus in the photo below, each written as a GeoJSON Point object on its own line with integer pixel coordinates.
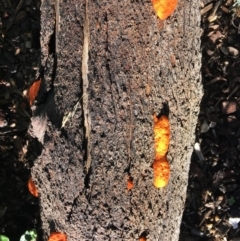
{"type": "Point", "coordinates": [130, 184]}
{"type": "Point", "coordinates": [57, 236]}
{"type": "Point", "coordinates": [32, 188]}
{"type": "Point", "coordinates": [161, 171]}
{"type": "Point", "coordinates": [33, 91]}
{"type": "Point", "coordinates": [161, 135]}
{"type": "Point", "coordinates": [164, 8]}
{"type": "Point", "coordinates": [161, 167]}
{"type": "Point", "coordinates": [142, 238]}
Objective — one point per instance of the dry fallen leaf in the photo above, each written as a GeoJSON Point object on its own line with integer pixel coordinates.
{"type": "Point", "coordinates": [164, 8]}
{"type": "Point", "coordinates": [33, 91]}
{"type": "Point", "coordinates": [32, 188]}
{"type": "Point", "coordinates": [215, 35]}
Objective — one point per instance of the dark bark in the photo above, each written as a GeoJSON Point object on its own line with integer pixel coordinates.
{"type": "Point", "coordinates": [136, 66]}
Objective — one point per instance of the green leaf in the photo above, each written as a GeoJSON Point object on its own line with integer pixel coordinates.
{"type": "Point", "coordinates": [29, 236]}
{"type": "Point", "coordinates": [231, 201]}
{"type": "Point", "coordinates": [3, 238]}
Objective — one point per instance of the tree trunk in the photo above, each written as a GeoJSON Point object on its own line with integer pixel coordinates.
{"type": "Point", "coordinates": [108, 67]}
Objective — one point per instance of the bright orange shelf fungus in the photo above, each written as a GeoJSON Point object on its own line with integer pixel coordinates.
{"type": "Point", "coordinates": [33, 91]}
{"type": "Point", "coordinates": [164, 8]}
{"type": "Point", "coordinates": [161, 135]}
{"type": "Point", "coordinates": [32, 188]}
{"type": "Point", "coordinates": [161, 171]}
{"type": "Point", "coordinates": [57, 236]}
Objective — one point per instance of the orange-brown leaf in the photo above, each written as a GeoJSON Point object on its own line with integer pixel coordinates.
{"type": "Point", "coordinates": [32, 188]}
{"type": "Point", "coordinates": [164, 8]}
{"type": "Point", "coordinates": [57, 236]}
{"type": "Point", "coordinates": [33, 91]}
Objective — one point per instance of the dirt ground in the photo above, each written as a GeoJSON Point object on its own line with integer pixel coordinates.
{"type": "Point", "coordinates": [213, 187]}
{"type": "Point", "coordinates": [19, 62]}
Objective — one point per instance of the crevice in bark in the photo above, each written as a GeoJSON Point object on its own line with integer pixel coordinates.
{"type": "Point", "coordinates": [52, 51]}
{"type": "Point", "coordinates": [87, 178]}
{"type": "Point", "coordinates": [74, 203]}
{"type": "Point", "coordinates": [109, 71]}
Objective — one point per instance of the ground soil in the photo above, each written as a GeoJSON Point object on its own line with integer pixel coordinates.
{"type": "Point", "coordinates": [19, 61]}
{"type": "Point", "coordinates": [213, 190]}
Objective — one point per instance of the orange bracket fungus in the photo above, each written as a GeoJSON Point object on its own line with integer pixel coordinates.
{"type": "Point", "coordinates": [33, 91]}
{"type": "Point", "coordinates": [164, 8]}
{"type": "Point", "coordinates": [32, 188]}
{"type": "Point", "coordinates": [161, 167]}
{"type": "Point", "coordinates": [57, 236]}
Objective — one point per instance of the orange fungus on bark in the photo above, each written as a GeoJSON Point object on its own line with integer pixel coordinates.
{"type": "Point", "coordinates": [161, 135]}
{"type": "Point", "coordinates": [130, 184]}
{"type": "Point", "coordinates": [164, 8]}
{"type": "Point", "coordinates": [32, 188]}
{"type": "Point", "coordinates": [57, 236]}
{"type": "Point", "coordinates": [161, 168]}
{"type": "Point", "coordinates": [142, 238]}
{"type": "Point", "coordinates": [33, 91]}
{"type": "Point", "coordinates": [161, 171]}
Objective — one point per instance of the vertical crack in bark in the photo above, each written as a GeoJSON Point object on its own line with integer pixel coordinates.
{"type": "Point", "coordinates": [52, 52]}
{"type": "Point", "coordinates": [86, 114]}
{"type": "Point", "coordinates": [55, 36]}
{"type": "Point", "coordinates": [52, 47]}
{"type": "Point", "coordinates": [57, 22]}
{"type": "Point", "coordinates": [109, 72]}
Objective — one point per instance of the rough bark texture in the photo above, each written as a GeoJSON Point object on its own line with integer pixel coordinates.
{"type": "Point", "coordinates": [102, 87]}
